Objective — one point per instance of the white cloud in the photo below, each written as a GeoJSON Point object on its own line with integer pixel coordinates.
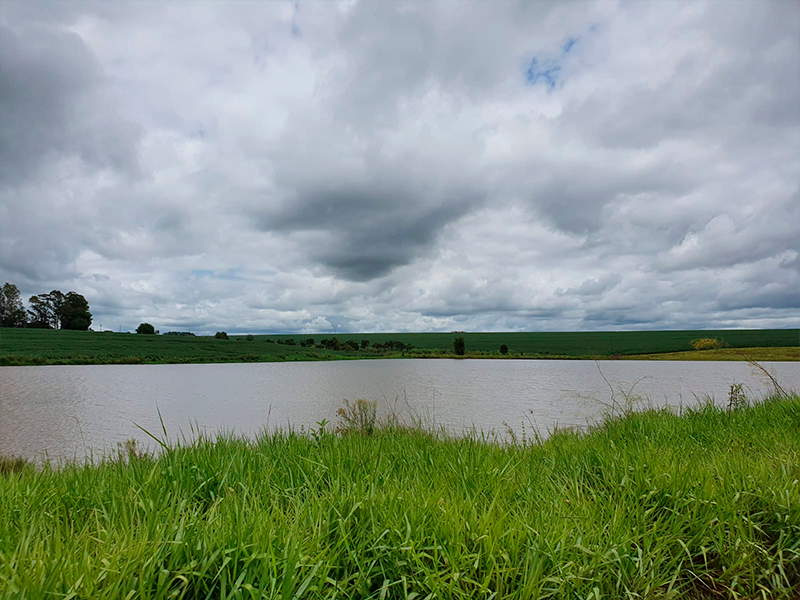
{"type": "Point", "coordinates": [388, 166]}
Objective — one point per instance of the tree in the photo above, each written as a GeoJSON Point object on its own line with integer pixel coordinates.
{"type": "Point", "coordinates": [459, 346]}
{"type": "Point", "coordinates": [146, 328]}
{"type": "Point", "coordinates": [40, 313]}
{"type": "Point", "coordinates": [503, 349]}
{"type": "Point", "coordinates": [331, 344]}
{"type": "Point", "coordinates": [221, 335]}
{"type": "Point", "coordinates": [75, 312]}
{"type": "Point", "coordinates": [56, 301]}
{"type": "Point", "coordinates": [249, 337]}
{"type": "Point", "coordinates": [12, 311]}
{"type": "Point", "coordinates": [47, 310]}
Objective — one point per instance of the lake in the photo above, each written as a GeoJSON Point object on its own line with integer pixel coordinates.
{"type": "Point", "coordinates": [77, 411]}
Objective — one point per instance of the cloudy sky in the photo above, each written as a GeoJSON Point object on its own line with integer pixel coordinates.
{"type": "Point", "coordinates": [388, 166]}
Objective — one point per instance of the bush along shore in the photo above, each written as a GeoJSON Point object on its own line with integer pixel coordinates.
{"type": "Point", "coordinates": [651, 504]}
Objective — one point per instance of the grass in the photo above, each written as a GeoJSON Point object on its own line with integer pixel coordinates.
{"type": "Point", "coordinates": [649, 505]}
{"type": "Point", "coordinates": [46, 347]}
{"type": "Point", "coordinates": [759, 354]}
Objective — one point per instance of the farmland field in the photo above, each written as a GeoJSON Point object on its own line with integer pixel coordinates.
{"type": "Point", "coordinates": [38, 346]}
{"type": "Point", "coordinates": [581, 344]}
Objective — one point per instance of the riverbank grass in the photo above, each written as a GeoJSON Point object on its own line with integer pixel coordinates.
{"type": "Point", "coordinates": [650, 505]}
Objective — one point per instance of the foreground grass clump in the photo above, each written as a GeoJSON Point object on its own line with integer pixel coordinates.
{"type": "Point", "coordinates": [652, 505]}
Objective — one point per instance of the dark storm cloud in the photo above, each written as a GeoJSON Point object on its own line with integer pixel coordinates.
{"type": "Point", "coordinates": [51, 86]}
{"type": "Point", "coordinates": [362, 232]}
{"type": "Point", "coordinates": [404, 166]}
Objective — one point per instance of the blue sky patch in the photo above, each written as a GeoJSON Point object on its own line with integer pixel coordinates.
{"type": "Point", "coordinates": [226, 274]}
{"type": "Point", "coordinates": [547, 74]}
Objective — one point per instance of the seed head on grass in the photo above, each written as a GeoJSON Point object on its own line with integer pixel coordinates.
{"type": "Point", "coordinates": [357, 417]}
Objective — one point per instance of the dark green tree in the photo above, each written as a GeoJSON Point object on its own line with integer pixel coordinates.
{"type": "Point", "coordinates": [458, 346]}
{"type": "Point", "coordinates": [249, 337]}
{"type": "Point", "coordinates": [146, 328]}
{"type": "Point", "coordinates": [47, 310]}
{"type": "Point", "coordinates": [221, 335]}
{"type": "Point", "coordinates": [75, 312]}
{"type": "Point", "coordinates": [41, 314]}
{"type": "Point", "coordinates": [56, 301]}
{"type": "Point", "coordinates": [12, 311]}
{"type": "Point", "coordinates": [503, 349]}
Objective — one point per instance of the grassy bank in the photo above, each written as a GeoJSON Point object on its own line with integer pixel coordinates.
{"type": "Point", "coordinates": [652, 505]}
{"type": "Point", "coordinates": [46, 347]}
{"type": "Point", "coordinates": [758, 354]}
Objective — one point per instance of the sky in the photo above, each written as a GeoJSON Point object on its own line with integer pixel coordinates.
{"type": "Point", "coordinates": [390, 166]}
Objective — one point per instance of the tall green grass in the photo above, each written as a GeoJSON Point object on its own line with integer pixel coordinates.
{"type": "Point", "coordinates": [649, 505]}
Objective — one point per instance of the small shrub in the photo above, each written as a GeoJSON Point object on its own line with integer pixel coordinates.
{"type": "Point", "coordinates": [503, 349]}
{"type": "Point", "coordinates": [459, 347]}
{"type": "Point", "coordinates": [249, 337]}
{"type": "Point", "coordinates": [706, 344]}
{"type": "Point", "coordinates": [357, 417]}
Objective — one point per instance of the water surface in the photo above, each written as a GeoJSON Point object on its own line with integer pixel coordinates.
{"type": "Point", "coordinates": [74, 411]}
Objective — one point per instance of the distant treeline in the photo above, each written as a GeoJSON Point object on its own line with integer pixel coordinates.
{"type": "Point", "coordinates": [333, 343]}
{"type": "Point", "coordinates": [55, 310]}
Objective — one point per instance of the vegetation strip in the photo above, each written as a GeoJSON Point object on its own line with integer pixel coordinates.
{"type": "Point", "coordinates": [648, 505]}
{"type": "Point", "coordinates": [20, 346]}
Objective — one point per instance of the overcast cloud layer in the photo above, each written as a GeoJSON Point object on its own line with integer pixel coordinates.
{"type": "Point", "coordinates": [383, 166]}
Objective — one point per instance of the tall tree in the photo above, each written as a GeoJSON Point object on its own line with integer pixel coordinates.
{"type": "Point", "coordinates": [46, 309]}
{"type": "Point", "coordinates": [56, 301]}
{"type": "Point", "coordinates": [75, 312]}
{"type": "Point", "coordinates": [40, 312]}
{"type": "Point", "coordinates": [12, 311]}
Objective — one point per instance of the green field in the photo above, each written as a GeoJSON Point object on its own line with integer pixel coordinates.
{"type": "Point", "coordinates": [38, 346]}
{"type": "Point", "coordinates": [650, 505]}
{"type": "Point", "coordinates": [41, 346]}
{"type": "Point", "coordinates": [583, 343]}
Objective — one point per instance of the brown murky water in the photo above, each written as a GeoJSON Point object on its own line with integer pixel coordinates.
{"type": "Point", "coordinates": [76, 411]}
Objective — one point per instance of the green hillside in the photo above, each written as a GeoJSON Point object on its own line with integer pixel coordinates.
{"type": "Point", "coordinates": [40, 346]}
{"type": "Point", "coordinates": [582, 343]}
